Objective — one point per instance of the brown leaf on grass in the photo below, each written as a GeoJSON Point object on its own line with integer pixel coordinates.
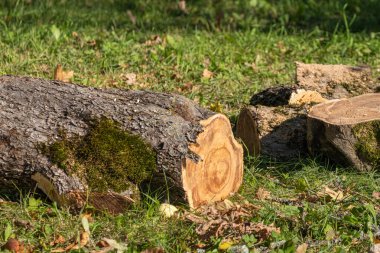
{"type": "Point", "coordinates": [154, 40]}
{"type": "Point", "coordinates": [58, 250]}
{"type": "Point", "coordinates": [84, 239]}
{"type": "Point", "coordinates": [263, 231]}
{"type": "Point", "coordinates": [59, 239]}
{"type": "Point", "coordinates": [102, 244]}
{"type": "Point", "coordinates": [182, 6]}
{"type": "Point", "coordinates": [131, 17]}
{"type": "Point", "coordinates": [129, 78]}
{"type": "Point", "coordinates": [376, 195]}
{"type": "Point", "coordinates": [334, 195]}
{"type": "Point", "coordinates": [13, 245]}
{"type": "Point", "coordinates": [23, 223]}
{"type": "Point", "coordinates": [154, 250]}
{"type": "Point", "coordinates": [302, 248]}
{"type": "Point", "coordinates": [207, 74]}
{"type": "Point", "coordinates": [262, 194]}
{"type": "Point", "coordinates": [225, 219]}
{"type": "Point", "coordinates": [61, 75]}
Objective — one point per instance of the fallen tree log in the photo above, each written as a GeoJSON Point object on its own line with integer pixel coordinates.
{"type": "Point", "coordinates": [73, 141]}
{"type": "Point", "coordinates": [277, 132]}
{"type": "Point", "coordinates": [347, 131]}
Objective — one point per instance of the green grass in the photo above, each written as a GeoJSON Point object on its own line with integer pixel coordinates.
{"type": "Point", "coordinates": [254, 46]}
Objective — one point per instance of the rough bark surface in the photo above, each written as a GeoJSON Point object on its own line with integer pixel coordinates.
{"type": "Point", "coordinates": [335, 81]}
{"type": "Point", "coordinates": [33, 111]}
{"type": "Point", "coordinates": [347, 131]}
{"type": "Point", "coordinates": [277, 132]}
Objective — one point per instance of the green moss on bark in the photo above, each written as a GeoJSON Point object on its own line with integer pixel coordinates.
{"type": "Point", "coordinates": [107, 158]}
{"type": "Point", "coordinates": [368, 145]}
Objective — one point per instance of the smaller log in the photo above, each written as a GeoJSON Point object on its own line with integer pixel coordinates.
{"type": "Point", "coordinates": [347, 131]}
{"type": "Point", "coordinates": [277, 132]}
{"type": "Point", "coordinates": [335, 81]}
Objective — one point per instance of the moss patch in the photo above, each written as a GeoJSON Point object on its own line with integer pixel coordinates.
{"type": "Point", "coordinates": [368, 145]}
{"type": "Point", "coordinates": [106, 158]}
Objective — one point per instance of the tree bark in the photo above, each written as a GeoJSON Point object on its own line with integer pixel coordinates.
{"type": "Point", "coordinates": [347, 131]}
{"type": "Point", "coordinates": [197, 157]}
{"type": "Point", "coordinates": [277, 132]}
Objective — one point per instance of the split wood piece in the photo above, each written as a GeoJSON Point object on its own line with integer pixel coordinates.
{"type": "Point", "coordinates": [277, 132]}
{"type": "Point", "coordinates": [286, 95]}
{"type": "Point", "coordinates": [347, 131]}
{"type": "Point", "coordinates": [335, 81]}
{"type": "Point", "coordinates": [197, 157]}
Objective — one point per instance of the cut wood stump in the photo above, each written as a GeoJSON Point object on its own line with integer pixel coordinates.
{"type": "Point", "coordinates": [347, 131]}
{"type": "Point", "coordinates": [277, 132]}
{"type": "Point", "coordinates": [335, 81]}
{"type": "Point", "coordinates": [86, 145]}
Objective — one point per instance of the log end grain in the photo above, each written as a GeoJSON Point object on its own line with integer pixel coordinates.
{"type": "Point", "coordinates": [220, 170]}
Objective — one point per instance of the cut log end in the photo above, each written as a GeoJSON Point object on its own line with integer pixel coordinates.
{"type": "Point", "coordinates": [220, 170]}
{"type": "Point", "coordinates": [355, 110]}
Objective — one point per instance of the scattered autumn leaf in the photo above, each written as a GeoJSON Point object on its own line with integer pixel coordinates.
{"type": "Point", "coordinates": [207, 74]}
{"type": "Point", "coordinates": [167, 210]}
{"type": "Point", "coordinates": [129, 78]}
{"type": "Point", "coordinates": [59, 239]}
{"type": "Point", "coordinates": [302, 248]}
{"type": "Point", "coordinates": [154, 40]}
{"type": "Point", "coordinates": [376, 195]}
{"type": "Point", "coordinates": [83, 241]}
{"type": "Point", "coordinates": [182, 6]}
{"type": "Point", "coordinates": [334, 195]}
{"type": "Point", "coordinates": [13, 245]}
{"type": "Point", "coordinates": [119, 247]}
{"type": "Point", "coordinates": [61, 75]}
{"type": "Point", "coordinates": [262, 194]}
{"type": "Point", "coordinates": [154, 250]}
{"type": "Point", "coordinates": [24, 224]}
{"type": "Point", "coordinates": [131, 17]}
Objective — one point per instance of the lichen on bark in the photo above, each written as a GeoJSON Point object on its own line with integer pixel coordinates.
{"type": "Point", "coordinates": [368, 142]}
{"type": "Point", "coordinates": [106, 158]}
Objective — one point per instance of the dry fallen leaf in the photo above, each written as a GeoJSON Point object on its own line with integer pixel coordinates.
{"type": "Point", "coordinates": [207, 74]}
{"type": "Point", "coordinates": [130, 78]}
{"type": "Point", "coordinates": [302, 248]}
{"type": "Point", "coordinates": [119, 247]}
{"type": "Point", "coordinates": [131, 17]}
{"type": "Point", "coordinates": [13, 245]}
{"type": "Point", "coordinates": [61, 75]}
{"type": "Point", "coordinates": [262, 194]}
{"type": "Point", "coordinates": [334, 195]}
{"type": "Point", "coordinates": [376, 195]}
{"type": "Point", "coordinates": [182, 6]}
{"type": "Point", "coordinates": [167, 210]}
{"type": "Point", "coordinates": [57, 240]}
{"type": "Point", "coordinates": [154, 40]}
{"type": "Point", "coordinates": [154, 250]}
{"type": "Point", "coordinates": [84, 239]}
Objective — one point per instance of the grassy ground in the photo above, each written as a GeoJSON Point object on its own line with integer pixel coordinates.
{"type": "Point", "coordinates": [247, 45]}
